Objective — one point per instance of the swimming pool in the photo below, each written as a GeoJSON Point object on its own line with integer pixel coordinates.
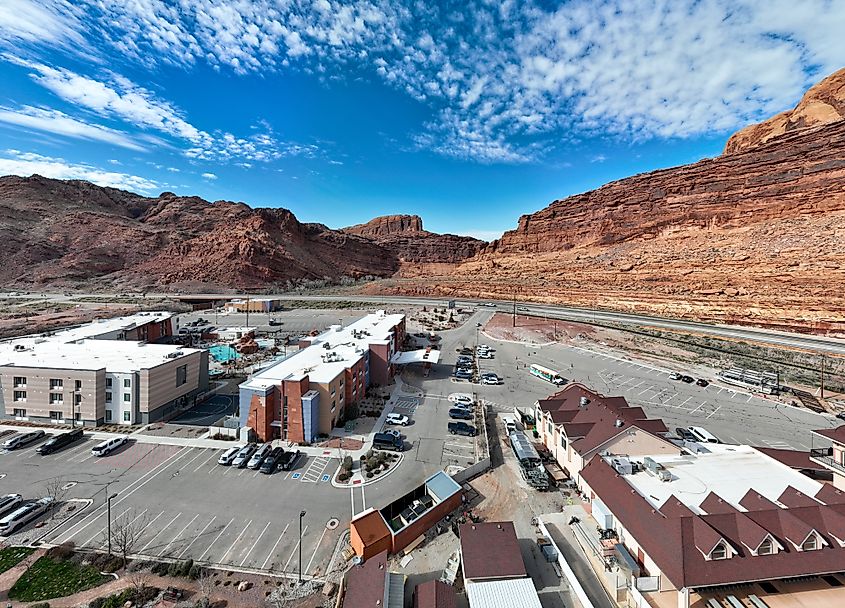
{"type": "Point", "coordinates": [223, 352]}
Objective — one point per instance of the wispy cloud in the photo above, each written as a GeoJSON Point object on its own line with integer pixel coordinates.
{"type": "Point", "coordinates": [15, 162]}
{"type": "Point", "coordinates": [209, 176]}
{"type": "Point", "coordinates": [504, 82]}
{"type": "Point", "coordinates": [55, 122]}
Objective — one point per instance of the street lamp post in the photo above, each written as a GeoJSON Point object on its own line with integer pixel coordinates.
{"type": "Point", "coordinates": [108, 515]}
{"type": "Point", "coordinates": [301, 515]}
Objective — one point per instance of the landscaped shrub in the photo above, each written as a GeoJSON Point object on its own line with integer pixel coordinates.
{"type": "Point", "coordinates": [160, 568]}
{"type": "Point", "coordinates": [347, 463]}
{"type": "Point", "coordinates": [185, 568]}
{"type": "Point", "coordinates": [344, 476]}
{"type": "Point", "coordinates": [41, 605]}
{"type": "Point", "coordinates": [61, 552]}
{"type": "Point", "coordinates": [112, 564]}
{"type": "Point", "coordinates": [196, 571]}
{"type": "Point", "coordinates": [174, 569]}
{"type": "Point", "coordinates": [369, 474]}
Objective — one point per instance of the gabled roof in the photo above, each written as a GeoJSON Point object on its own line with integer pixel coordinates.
{"type": "Point", "coordinates": [795, 459]}
{"type": "Point", "coordinates": [830, 495]}
{"type": "Point", "coordinates": [837, 434]}
{"type": "Point", "coordinates": [793, 497]}
{"type": "Point", "coordinates": [601, 419]}
{"type": "Point", "coordinates": [754, 501]}
{"type": "Point", "coordinates": [365, 584]}
{"type": "Point", "coordinates": [434, 594]}
{"type": "Point", "coordinates": [675, 508]}
{"type": "Point", "coordinates": [490, 551]}
{"type": "Point", "coordinates": [677, 544]}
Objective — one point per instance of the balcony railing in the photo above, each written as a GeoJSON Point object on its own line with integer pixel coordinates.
{"type": "Point", "coordinates": [823, 457]}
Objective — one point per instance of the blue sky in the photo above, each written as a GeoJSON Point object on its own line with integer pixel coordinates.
{"type": "Point", "coordinates": [468, 114]}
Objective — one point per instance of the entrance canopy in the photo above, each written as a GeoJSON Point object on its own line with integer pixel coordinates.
{"type": "Point", "coordinates": [424, 355]}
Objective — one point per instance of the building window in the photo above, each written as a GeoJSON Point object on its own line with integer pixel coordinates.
{"type": "Point", "coordinates": [56, 416]}
{"type": "Point", "coordinates": [78, 415]}
{"type": "Point", "coordinates": [127, 383]}
{"type": "Point", "coordinates": [56, 398]}
{"type": "Point", "coordinates": [181, 375]}
{"type": "Point", "coordinates": [127, 417]}
{"type": "Point", "coordinates": [333, 405]}
{"type": "Point", "coordinates": [549, 426]}
{"type": "Point", "coordinates": [20, 395]}
{"type": "Point", "coordinates": [108, 397]}
{"type": "Point", "coordinates": [811, 544]}
{"type": "Point", "coordinates": [767, 547]}
{"type": "Point", "coordinates": [56, 383]}
{"type": "Point", "coordinates": [341, 384]}
{"type": "Point", "coordinates": [77, 385]}
{"type": "Point", "coordinates": [333, 392]}
{"type": "Point", "coordinates": [20, 382]}
{"type": "Point", "coordinates": [720, 551]}
{"type": "Point", "coordinates": [127, 397]}
{"type": "Point", "coordinates": [19, 413]}
{"type": "Point", "coordinates": [108, 382]}
{"type": "Point", "coordinates": [108, 415]}
{"type": "Point", "coordinates": [77, 399]}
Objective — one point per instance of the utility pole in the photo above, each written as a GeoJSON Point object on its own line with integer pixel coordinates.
{"type": "Point", "coordinates": [247, 312]}
{"type": "Point", "coordinates": [822, 391]}
{"type": "Point", "coordinates": [108, 516]}
{"type": "Point", "coordinates": [301, 515]}
{"type": "Point", "coordinates": [514, 307]}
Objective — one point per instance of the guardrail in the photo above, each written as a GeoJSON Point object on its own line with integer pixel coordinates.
{"type": "Point", "coordinates": [823, 457]}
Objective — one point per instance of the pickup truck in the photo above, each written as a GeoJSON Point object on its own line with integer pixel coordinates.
{"type": "Point", "coordinates": [462, 428]}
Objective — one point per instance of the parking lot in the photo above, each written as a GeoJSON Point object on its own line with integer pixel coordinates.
{"type": "Point", "coordinates": [188, 505]}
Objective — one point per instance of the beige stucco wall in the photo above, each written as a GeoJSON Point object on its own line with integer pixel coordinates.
{"type": "Point", "coordinates": [326, 389]}
{"type": "Point", "coordinates": [158, 384]}
{"type": "Point", "coordinates": [91, 407]}
{"type": "Point", "coordinates": [635, 442]}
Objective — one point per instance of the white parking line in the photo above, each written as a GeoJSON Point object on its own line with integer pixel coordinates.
{"type": "Point", "coordinates": [750, 397]}
{"type": "Point", "coordinates": [194, 539]}
{"type": "Point", "coordinates": [235, 542]}
{"type": "Point", "coordinates": [650, 388]}
{"type": "Point", "coordinates": [255, 544]}
{"type": "Point", "coordinates": [213, 454]}
{"type": "Point", "coordinates": [710, 415]}
{"type": "Point", "coordinates": [167, 546]}
{"type": "Point", "coordinates": [317, 546]}
{"type": "Point", "coordinates": [295, 547]}
{"type": "Point", "coordinates": [684, 403]}
{"type": "Point", "coordinates": [637, 385]}
{"type": "Point", "coordinates": [216, 538]}
{"type": "Point", "coordinates": [101, 530]}
{"type": "Point", "coordinates": [273, 550]}
{"type": "Point", "coordinates": [160, 530]}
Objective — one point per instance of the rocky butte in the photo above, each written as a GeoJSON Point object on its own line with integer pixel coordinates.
{"type": "Point", "coordinates": [755, 236]}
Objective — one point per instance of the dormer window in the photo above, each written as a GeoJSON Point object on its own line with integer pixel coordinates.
{"type": "Point", "coordinates": [720, 551]}
{"type": "Point", "coordinates": [811, 543]}
{"type": "Point", "coordinates": [767, 547]}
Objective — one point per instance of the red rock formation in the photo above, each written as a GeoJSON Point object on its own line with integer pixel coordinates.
{"type": "Point", "coordinates": [415, 248]}
{"type": "Point", "coordinates": [823, 104]}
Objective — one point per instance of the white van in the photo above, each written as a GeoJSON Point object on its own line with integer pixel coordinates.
{"type": "Point", "coordinates": [24, 514]}
{"type": "Point", "coordinates": [703, 435]}
{"type": "Point", "coordinates": [109, 445]}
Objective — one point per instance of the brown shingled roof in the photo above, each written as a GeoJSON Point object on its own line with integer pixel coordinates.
{"type": "Point", "coordinates": [792, 497]}
{"type": "Point", "coordinates": [830, 495]}
{"type": "Point", "coordinates": [673, 542]}
{"type": "Point", "coordinates": [434, 594]}
{"type": "Point", "coordinates": [365, 583]}
{"type": "Point", "coordinates": [837, 434]}
{"type": "Point", "coordinates": [490, 551]}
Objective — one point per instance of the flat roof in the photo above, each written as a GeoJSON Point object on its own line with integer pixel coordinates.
{"type": "Point", "coordinates": [321, 363]}
{"type": "Point", "coordinates": [727, 470]}
{"type": "Point", "coordinates": [94, 329]}
{"type": "Point", "coordinates": [513, 593]}
{"type": "Point", "coordinates": [113, 355]}
{"type": "Point", "coordinates": [423, 355]}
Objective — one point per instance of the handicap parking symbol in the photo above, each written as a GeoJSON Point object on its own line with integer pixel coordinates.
{"type": "Point", "coordinates": [296, 476]}
{"type": "Point", "coordinates": [324, 478]}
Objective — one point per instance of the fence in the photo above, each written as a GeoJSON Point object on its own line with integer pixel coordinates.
{"type": "Point", "coordinates": [222, 430]}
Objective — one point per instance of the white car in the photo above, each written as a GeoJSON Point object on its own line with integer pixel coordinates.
{"type": "Point", "coordinates": [461, 398]}
{"type": "Point", "coordinates": [109, 445]}
{"type": "Point", "coordinates": [393, 432]}
{"type": "Point", "coordinates": [397, 419]}
{"type": "Point", "coordinates": [228, 456]}
{"type": "Point", "coordinates": [489, 380]}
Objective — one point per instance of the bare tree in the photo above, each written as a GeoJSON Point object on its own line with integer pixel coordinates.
{"type": "Point", "coordinates": [57, 489]}
{"type": "Point", "coordinates": [126, 531]}
{"type": "Point", "coordinates": [206, 585]}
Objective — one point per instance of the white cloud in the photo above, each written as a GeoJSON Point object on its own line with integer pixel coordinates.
{"type": "Point", "coordinates": [598, 158]}
{"type": "Point", "coordinates": [27, 163]}
{"type": "Point", "coordinates": [40, 21]}
{"type": "Point", "coordinates": [209, 176]}
{"type": "Point", "coordinates": [505, 82]}
{"type": "Point", "coordinates": [55, 122]}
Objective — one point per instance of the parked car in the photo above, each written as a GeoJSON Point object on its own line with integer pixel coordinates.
{"type": "Point", "coordinates": [228, 456]}
{"type": "Point", "coordinates": [24, 514]}
{"type": "Point", "coordinates": [841, 415]}
{"type": "Point", "coordinates": [384, 441]}
{"type": "Point", "coordinates": [687, 379]}
{"type": "Point", "coordinates": [272, 461]}
{"type": "Point", "coordinates": [460, 398]}
{"type": "Point", "coordinates": [19, 441]}
{"type": "Point", "coordinates": [57, 442]}
{"type": "Point", "coordinates": [485, 355]}
{"type": "Point", "coordinates": [489, 380]}
{"type": "Point", "coordinates": [258, 457]}
{"type": "Point", "coordinates": [675, 376]}
{"type": "Point", "coordinates": [460, 414]}
{"type": "Point", "coordinates": [463, 375]}
{"type": "Point", "coordinates": [685, 434]}
{"type": "Point", "coordinates": [523, 308]}
{"type": "Point", "coordinates": [399, 419]}
{"type": "Point", "coordinates": [244, 454]}
{"type": "Point", "coordinates": [289, 459]}
{"type": "Point", "coordinates": [462, 428]}
{"type": "Point", "coordinates": [393, 432]}
{"type": "Point", "coordinates": [9, 502]}
{"type": "Point", "coordinates": [463, 406]}
{"type": "Point", "coordinates": [109, 445]}
{"type": "Point", "coordinates": [701, 382]}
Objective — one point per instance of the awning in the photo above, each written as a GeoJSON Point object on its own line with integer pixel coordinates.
{"type": "Point", "coordinates": [626, 562]}
{"type": "Point", "coordinates": [423, 355]}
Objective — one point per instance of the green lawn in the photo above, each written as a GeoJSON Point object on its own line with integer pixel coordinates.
{"type": "Point", "coordinates": [48, 578]}
{"type": "Point", "coordinates": [10, 556]}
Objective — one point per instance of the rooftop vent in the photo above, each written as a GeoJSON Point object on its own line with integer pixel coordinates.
{"type": "Point", "coordinates": [619, 422]}
{"type": "Point", "coordinates": [584, 401]}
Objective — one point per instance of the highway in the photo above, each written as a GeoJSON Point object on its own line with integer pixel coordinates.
{"type": "Point", "coordinates": [806, 342]}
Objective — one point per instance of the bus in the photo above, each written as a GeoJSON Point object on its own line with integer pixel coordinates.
{"type": "Point", "coordinates": [547, 374]}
